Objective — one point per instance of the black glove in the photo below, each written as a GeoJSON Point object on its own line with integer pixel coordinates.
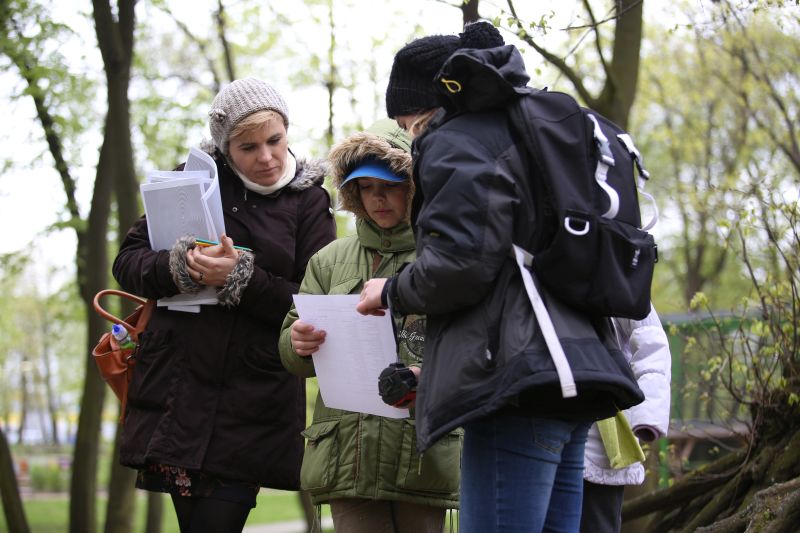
{"type": "Point", "coordinates": [397, 385]}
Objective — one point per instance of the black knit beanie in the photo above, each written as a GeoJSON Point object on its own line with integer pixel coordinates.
{"type": "Point", "coordinates": [411, 89]}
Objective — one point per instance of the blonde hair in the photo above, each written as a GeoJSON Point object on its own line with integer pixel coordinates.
{"type": "Point", "coordinates": [255, 121]}
{"type": "Point", "coordinates": [421, 121]}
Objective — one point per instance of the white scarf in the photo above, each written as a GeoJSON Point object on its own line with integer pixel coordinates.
{"type": "Point", "coordinates": [288, 175]}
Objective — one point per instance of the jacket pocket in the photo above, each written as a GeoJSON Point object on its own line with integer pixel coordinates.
{"type": "Point", "coordinates": [437, 470]}
{"type": "Point", "coordinates": [345, 286]}
{"type": "Point", "coordinates": [155, 370]}
{"type": "Point", "coordinates": [259, 388]}
{"type": "Point", "coordinates": [321, 457]}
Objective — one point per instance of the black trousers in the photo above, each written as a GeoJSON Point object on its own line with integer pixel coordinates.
{"type": "Point", "coordinates": [210, 515]}
{"type": "Point", "coordinates": [602, 508]}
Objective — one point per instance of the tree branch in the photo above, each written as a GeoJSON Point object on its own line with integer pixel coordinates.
{"type": "Point", "coordinates": [556, 61]}
{"type": "Point", "coordinates": [108, 38]}
{"type": "Point", "coordinates": [25, 65]}
{"type": "Point", "coordinates": [220, 17]}
{"type": "Point", "coordinates": [597, 43]}
{"type": "Point", "coordinates": [201, 45]}
{"type": "Point", "coordinates": [696, 483]}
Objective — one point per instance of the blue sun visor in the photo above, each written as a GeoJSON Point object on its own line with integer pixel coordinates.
{"type": "Point", "coordinates": [373, 169]}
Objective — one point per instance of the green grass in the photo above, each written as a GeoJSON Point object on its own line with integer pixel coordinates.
{"type": "Point", "coordinates": [50, 515]}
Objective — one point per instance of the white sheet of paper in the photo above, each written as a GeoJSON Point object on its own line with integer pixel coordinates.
{"type": "Point", "coordinates": [200, 160]}
{"type": "Point", "coordinates": [184, 308]}
{"type": "Point", "coordinates": [160, 176]}
{"type": "Point", "coordinates": [207, 296]}
{"type": "Point", "coordinates": [356, 349]}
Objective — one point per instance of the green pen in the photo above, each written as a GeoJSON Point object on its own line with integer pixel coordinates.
{"type": "Point", "coordinates": [204, 243]}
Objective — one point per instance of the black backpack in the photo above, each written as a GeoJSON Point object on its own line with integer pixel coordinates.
{"type": "Point", "coordinates": [589, 248]}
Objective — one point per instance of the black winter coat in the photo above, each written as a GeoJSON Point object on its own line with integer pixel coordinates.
{"type": "Point", "coordinates": [484, 350]}
{"type": "Point", "coordinates": [209, 391]}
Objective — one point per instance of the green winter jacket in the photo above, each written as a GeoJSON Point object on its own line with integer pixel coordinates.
{"type": "Point", "coordinates": [356, 455]}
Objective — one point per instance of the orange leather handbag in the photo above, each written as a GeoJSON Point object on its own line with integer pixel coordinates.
{"type": "Point", "coordinates": [116, 363]}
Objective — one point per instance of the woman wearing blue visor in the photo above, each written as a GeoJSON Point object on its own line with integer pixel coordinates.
{"type": "Point", "coordinates": [366, 466]}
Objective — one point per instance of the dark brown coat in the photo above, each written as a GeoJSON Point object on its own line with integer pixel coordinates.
{"type": "Point", "coordinates": [209, 392]}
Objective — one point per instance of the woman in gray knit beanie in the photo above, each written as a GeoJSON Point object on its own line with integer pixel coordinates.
{"type": "Point", "coordinates": [212, 415]}
{"type": "Point", "coordinates": [256, 117]}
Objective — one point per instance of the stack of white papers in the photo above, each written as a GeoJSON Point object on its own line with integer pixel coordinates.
{"type": "Point", "coordinates": [178, 203]}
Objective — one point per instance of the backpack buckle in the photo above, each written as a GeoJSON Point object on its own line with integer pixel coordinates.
{"type": "Point", "coordinates": [606, 156]}
{"type": "Point", "coordinates": [626, 140]}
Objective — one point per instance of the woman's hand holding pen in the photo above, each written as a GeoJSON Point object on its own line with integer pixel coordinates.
{"type": "Point", "coordinates": [211, 265]}
{"type": "Point", "coordinates": [305, 339]}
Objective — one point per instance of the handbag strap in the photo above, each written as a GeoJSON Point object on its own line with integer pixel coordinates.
{"type": "Point", "coordinates": [147, 309]}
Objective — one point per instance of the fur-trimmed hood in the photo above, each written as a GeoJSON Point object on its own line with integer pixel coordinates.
{"type": "Point", "coordinates": [383, 140]}
{"type": "Point", "coordinates": [309, 172]}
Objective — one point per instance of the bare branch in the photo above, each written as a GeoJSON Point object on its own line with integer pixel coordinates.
{"type": "Point", "coordinates": [220, 17]}
{"type": "Point", "coordinates": [201, 45]}
{"type": "Point", "coordinates": [596, 24]}
{"type": "Point", "coordinates": [25, 64]}
{"type": "Point", "coordinates": [598, 44]}
{"type": "Point", "coordinates": [556, 61]}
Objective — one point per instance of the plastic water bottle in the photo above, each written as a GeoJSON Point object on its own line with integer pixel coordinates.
{"type": "Point", "coordinates": [122, 336]}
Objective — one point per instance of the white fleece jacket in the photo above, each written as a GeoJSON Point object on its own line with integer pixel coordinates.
{"type": "Point", "coordinates": [645, 345]}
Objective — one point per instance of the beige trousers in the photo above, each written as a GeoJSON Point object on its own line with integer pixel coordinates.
{"type": "Point", "coordinates": [357, 515]}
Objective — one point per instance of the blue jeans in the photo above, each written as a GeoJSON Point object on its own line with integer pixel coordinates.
{"type": "Point", "coordinates": [521, 474]}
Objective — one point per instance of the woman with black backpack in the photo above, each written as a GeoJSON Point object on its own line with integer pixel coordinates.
{"type": "Point", "coordinates": [488, 367]}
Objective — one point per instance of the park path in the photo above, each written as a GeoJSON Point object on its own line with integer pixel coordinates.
{"type": "Point", "coordinates": [292, 526]}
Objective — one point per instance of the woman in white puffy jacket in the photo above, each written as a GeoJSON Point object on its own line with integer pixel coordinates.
{"type": "Point", "coordinates": [645, 345]}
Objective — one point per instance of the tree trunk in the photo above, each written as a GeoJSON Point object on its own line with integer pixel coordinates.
{"type": "Point", "coordinates": [12, 503]}
{"type": "Point", "coordinates": [331, 83]}
{"type": "Point", "coordinates": [621, 73]}
{"type": "Point", "coordinates": [223, 39]}
{"type": "Point", "coordinates": [92, 268]}
{"type": "Point", "coordinates": [622, 76]}
{"type": "Point", "coordinates": [704, 480]}
{"type": "Point", "coordinates": [155, 512]}
{"type": "Point", "coordinates": [83, 485]}
{"type": "Point", "coordinates": [115, 39]}
{"type": "Point", "coordinates": [754, 489]}
{"type": "Point", "coordinates": [50, 397]}
{"type": "Point", "coordinates": [469, 11]}
{"type": "Point", "coordinates": [24, 400]}
{"type": "Point", "coordinates": [121, 494]}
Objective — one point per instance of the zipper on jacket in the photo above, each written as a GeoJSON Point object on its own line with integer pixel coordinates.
{"type": "Point", "coordinates": [358, 452]}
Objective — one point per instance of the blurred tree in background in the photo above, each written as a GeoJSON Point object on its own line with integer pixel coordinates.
{"type": "Point", "coordinates": [709, 91]}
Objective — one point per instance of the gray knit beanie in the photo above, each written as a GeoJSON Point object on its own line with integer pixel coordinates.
{"type": "Point", "coordinates": [236, 101]}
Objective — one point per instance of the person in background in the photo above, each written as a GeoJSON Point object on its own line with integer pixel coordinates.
{"type": "Point", "coordinates": [487, 366]}
{"type": "Point", "coordinates": [606, 468]}
{"type": "Point", "coordinates": [212, 415]}
{"type": "Point", "coordinates": [366, 466]}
